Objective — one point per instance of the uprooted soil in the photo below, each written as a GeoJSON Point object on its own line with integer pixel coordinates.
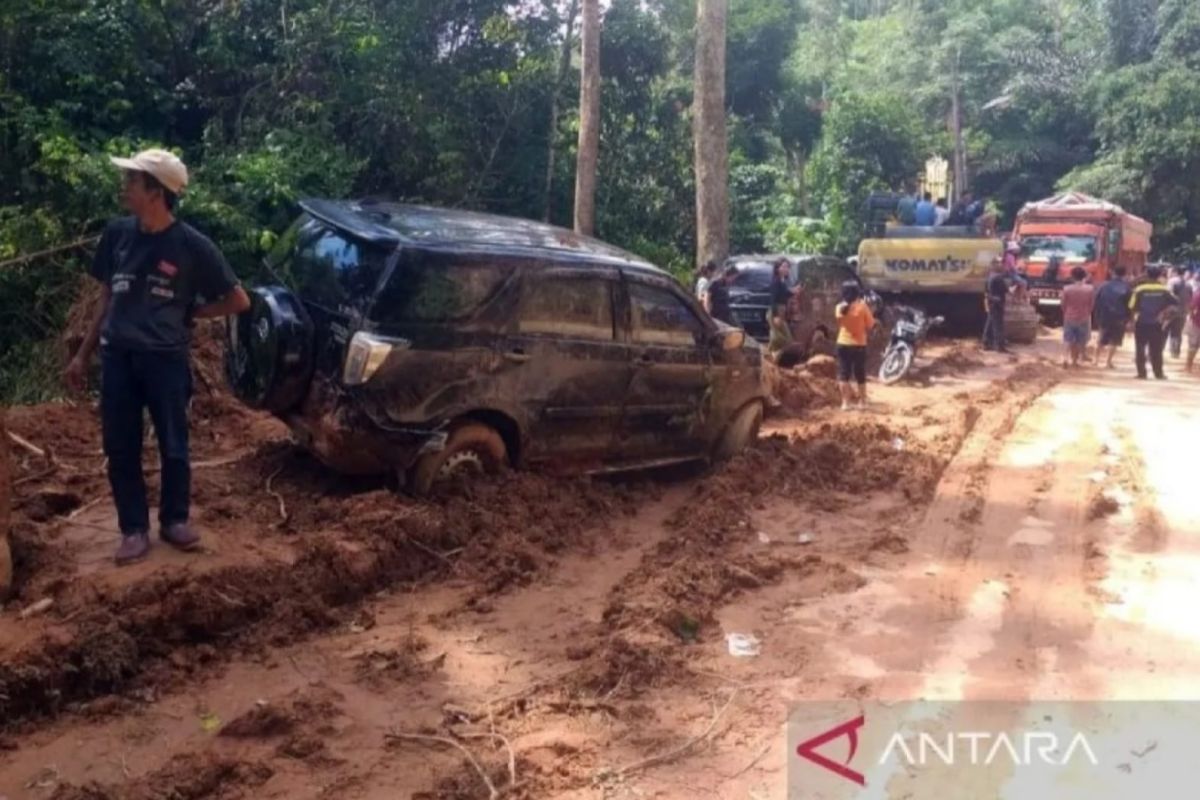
{"type": "Point", "coordinates": [399, 598]}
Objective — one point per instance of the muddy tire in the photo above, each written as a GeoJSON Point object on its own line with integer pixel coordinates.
{"type": "Point", "coordinates": [5, 507]}
{"type": "Point", "coordinates": [896, 363]}
{"type": "Point", "coordinates": [473, 449]}
{"type": "Point", "coordinates": [1021, 323]}
{"type": "Point", "coordinates": [741, 431]}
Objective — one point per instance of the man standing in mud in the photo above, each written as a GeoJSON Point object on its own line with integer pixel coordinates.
{"type": "Point", "coordinates": [1112, 314]}
{"type": "Point", "coordinates": [1151, 303]}
{"type": "Point", "coordinates": [996, 300]}
{"type": "Point", "coordinates": [157, 275]}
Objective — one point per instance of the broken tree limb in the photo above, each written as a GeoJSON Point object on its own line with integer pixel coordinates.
{"type": "Point", "coordinates": [283, 512]}
{"type": "Point", "coordinates": [512, 756]}
{"type": "Point", "coordinates": [420, 737]}
{"type": "Point", "coordinates": [26, 444]}
{"type": "Point", "coordinates": [675, 753]}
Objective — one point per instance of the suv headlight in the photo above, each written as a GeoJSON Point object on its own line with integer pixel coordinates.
{"type": "Point", "coordinates": [365, 355]}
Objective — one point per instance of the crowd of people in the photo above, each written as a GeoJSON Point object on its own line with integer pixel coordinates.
{"type": "Point", "coordinates": [1162, 306]}
{"type": "Point", "coordinates": [919, 209]}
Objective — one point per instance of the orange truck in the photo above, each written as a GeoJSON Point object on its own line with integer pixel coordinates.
{"type": "Point", "coordinates": [1074, 230]}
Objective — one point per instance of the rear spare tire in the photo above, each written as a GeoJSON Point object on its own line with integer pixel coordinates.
{"type": "Point", "coordinates": [269, 351]}
{"type": "Point", "coordinates": [473, 449]}
{"type": "Point", "coordinates": [1021, 323]}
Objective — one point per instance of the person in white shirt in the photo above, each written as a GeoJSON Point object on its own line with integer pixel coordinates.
{"type": "Point", "coordinates": [942, 212]}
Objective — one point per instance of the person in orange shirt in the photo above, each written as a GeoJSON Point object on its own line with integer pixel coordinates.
{"type": "Point", "coordinates": [855, 322]}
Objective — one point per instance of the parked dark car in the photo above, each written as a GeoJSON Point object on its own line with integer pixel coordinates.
{"type": "Point", "coordinates": [431, 342]}
{"type": "Point", "coordinates": [811, 316]}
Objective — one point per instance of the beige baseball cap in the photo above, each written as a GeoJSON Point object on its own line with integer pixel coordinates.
{"type": "Point", "coordinates": [164, 166]}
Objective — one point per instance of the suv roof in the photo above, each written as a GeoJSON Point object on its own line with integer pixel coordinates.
{"type": "Point", "coordinates": [400, 224]}
{"type": "Point", "coordinates": [769, 259]}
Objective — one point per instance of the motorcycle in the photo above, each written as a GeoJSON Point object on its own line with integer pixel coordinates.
{"type": "Point", "coordinates": [911, 327]}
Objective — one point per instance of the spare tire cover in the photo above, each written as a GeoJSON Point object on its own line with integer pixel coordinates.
{"type": "Point", "coordinates": [269, 351]}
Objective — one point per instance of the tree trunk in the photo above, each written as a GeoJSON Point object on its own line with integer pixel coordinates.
{"type": "Point", "coordinates": [711, 137]}
{"type": "Point", "coordinates": [589, 121]}
{"type": "Point", "coordinates": [564, 64]}
{"type": "Point", "coordinates": [960, 151]}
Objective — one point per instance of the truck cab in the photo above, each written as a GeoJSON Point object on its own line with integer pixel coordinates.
{"type": "Point", "coordinates": [1075, 230]}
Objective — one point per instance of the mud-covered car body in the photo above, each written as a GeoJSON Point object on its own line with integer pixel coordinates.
{"type": "Point", "coordinates": [817, 281]}
{"type": "Point", "coordinates": [392, 324]}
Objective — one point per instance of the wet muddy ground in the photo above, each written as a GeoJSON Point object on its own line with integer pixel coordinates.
{"type": "Point", "coordinates": [532, 636]}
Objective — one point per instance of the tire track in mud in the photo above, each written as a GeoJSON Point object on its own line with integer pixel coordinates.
{"type": "Point", "coordinates": [160, 631]}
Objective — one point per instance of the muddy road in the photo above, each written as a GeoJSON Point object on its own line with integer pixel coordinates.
{"type": "Point", "coordinates": [546, 638]}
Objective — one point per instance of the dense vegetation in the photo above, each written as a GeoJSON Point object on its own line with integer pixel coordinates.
{"type": "Point", "coordinates": [448, 101]}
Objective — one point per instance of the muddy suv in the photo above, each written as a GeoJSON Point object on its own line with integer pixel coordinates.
{"type": "Point", "coordinates": [432, 343]}
{"type": "Point", "coordinates": [811, 312]}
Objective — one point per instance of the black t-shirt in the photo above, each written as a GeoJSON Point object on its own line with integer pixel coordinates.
{"type": "Point", "coordinates": [1112, 302]}
{"type": "Point", "coordinates": [155, 280]}
{"type": "Point", "coordinates": [781, 295]}
{"type": "Point", "coordinates": [718, 302]}
{"type": "Point", "coordinates": [997, 289]}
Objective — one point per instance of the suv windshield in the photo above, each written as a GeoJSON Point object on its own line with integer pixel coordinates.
{"type": "Point", "coordinates": [326, 267]}
{"type": "Point", "coordinates": [1083, 247]}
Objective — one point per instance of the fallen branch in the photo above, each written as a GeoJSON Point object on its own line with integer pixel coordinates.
{"type": "Point", "coordinates": [432, 552]}
{"type": "Point", "coordinates": [512, 756]}
{"type": "Point", "coordinates": [283, 512]}
{"type": "Point", "coordinates": [85, 507]}
{"type": "Point", "coordinates": [49, 252]}
{"type": "Point", "coordinates": [27, 445]}
{"type": "Point", "coordinates": [37, 476]}
{"type": "Point", "coordinates": [418, 737]}
{"type": "Point", "coordinates": [671, 755]}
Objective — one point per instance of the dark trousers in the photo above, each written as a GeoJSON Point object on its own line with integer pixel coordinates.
{"type": "Point", "coordinates": [993, 328]}
{"type": "Point", "coordinates": [1176, 335]}
{"type": "Point", "coordinates": [1153, 339]}
{"type": "Point", "coordinates": [162, 383]}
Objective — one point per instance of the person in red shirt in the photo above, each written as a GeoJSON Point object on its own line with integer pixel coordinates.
{"type": "Point", "coordinates": [1077, 301]}
{"type": "Point", "coordinates": [1193, 330]}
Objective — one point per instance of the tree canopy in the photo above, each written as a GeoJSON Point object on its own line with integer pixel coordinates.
{"type": "Point", "coordinates": [448, 102]}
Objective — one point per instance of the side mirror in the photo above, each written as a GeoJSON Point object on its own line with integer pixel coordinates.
{"type": "Point", "coordinates": [730, 339]}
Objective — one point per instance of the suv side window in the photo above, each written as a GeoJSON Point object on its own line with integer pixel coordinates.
{"type": "Point", "coordinates": [659, 317]}
{"type": "Point", "coordinates": [576, 307]}
{"type": "Point", "coordinates": [427, 289]}
{"type": "Point", "coordinates": [330, 268]}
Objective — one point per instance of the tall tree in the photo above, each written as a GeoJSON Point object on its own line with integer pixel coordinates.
{"type": "Point", "coordinates": [564, 64]}
{"type": "Point", "coordinates": [589, 121]}
{"type": "Point", "coordinates": [711, 136]}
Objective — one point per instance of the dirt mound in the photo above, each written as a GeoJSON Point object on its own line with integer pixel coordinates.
{"type": "Point", "coordinates": [261, 722]}
{"type": "Point", "coordinates": [797, 390]}
{"type": "Point", "coordinates": [186, 777]}
{"type": "Point", "coordinates": [822, 367]}
{"type": "Point", "coordinates": [169, 625]}
{"type": "Point", "coordinates": [79, 318]}
{"type": "Point", "coordinates": [959, 359]}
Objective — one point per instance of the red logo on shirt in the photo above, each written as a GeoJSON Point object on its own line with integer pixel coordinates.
{"type": "Point", "coordinates": [167, 268]}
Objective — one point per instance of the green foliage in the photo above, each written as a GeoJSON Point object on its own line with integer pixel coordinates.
{"type": "Point", "coordinates": [449, 103]}
{"type": "Point", "coordinates": [870, 143]}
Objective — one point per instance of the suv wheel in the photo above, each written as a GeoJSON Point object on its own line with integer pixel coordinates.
{"type": "Point", "coordinates": [741, 431]}
{"type": "Point", "coordinates": [473, 449]}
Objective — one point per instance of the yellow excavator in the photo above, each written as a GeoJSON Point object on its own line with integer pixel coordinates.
{"type": "Point", "coordinates": [939, 269]}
